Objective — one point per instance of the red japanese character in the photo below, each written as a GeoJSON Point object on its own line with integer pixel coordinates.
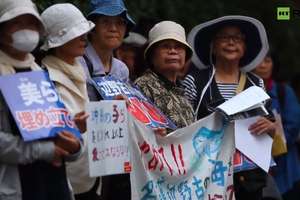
{"type": "Point", "coordinates": [27, 121]}
{"type": "Point", "coordinates": [42, 119]}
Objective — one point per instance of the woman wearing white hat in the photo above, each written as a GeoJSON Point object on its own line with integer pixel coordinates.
{"type": "Point", "coordinates": [167, 53]}
{"type": "Point", "coordinates": [229, 47]}
{"type": "Point", "coordinates": [65, 42]}
{"type": "Point", "coordinates": [31, 170]}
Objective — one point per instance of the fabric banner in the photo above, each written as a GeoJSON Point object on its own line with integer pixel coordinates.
{"type": "Point", "coordinates": [107, 129]}
{"type": "Point", "coordinates": [35, 105]}
{"type": "Point", "coordinates": [140, 106]}
{"type": "Point", "coordinates": [194, 162]}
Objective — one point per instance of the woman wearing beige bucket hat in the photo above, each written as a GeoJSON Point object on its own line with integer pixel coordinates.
{"type": "Point", "coordinates": [229, 47]}
{"type": "Point", "coordinates": [31, 170]}
{"type": "Point", "coordinates": [66, 33]}
{"type": "Point", "coordinates": [166, 54]}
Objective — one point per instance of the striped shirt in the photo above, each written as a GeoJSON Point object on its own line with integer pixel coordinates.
{"type": "Point", "coordinates": [227, 90]}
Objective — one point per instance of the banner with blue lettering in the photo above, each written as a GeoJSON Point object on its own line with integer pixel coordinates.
{"type": "Point", "coordinates": [195, 162]}
{"type": "Point", "coordinates": [140, 107]}
{"type": "Point", "coordinates": [35, 105]}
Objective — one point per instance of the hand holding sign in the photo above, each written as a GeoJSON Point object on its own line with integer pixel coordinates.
{"type": "Point", "coordinates": [80, 121]}
{"type": "Point", "coordinates": [67, 141]}
{"type": "Point", "coordinates": [59, 154]}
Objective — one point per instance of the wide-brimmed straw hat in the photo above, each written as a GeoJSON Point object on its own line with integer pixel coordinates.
{"type": "Point", "coordinates": [256, 41]}
{"type": "Point", "coordinates": [63, 22]}
{"type": "Point", "coordinates": [166, 30]}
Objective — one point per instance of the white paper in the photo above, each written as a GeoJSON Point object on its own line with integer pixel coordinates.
{"type": "Point", "coordinates": [256, 148]}
{"type": "Point", "coordinates": [107, 129]}
{"type": "Point", "coordinates": [250, 97]}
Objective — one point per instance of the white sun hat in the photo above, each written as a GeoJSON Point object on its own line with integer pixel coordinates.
{"type": "Point", "coordinates": [63, 22]}
{"type": "Point", "coordinates": [10, 9]}
{"type": "Point", "coordinates": [166, 30]}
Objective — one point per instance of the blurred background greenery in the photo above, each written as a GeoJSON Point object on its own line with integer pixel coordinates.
{"type": "Point", "coordinates": [284, 36]}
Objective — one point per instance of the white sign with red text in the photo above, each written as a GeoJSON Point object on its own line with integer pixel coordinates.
{"type": "Point", "coordinates": [107, 129]}
{"type": "Point", "coordinates": [194, 162]}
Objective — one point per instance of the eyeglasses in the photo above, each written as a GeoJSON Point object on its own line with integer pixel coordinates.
{"type": "Point", "coordinates": [235, 38]}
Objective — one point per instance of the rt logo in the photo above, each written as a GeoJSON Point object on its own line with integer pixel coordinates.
{"type": "Point", "coordinates": [284, 13]}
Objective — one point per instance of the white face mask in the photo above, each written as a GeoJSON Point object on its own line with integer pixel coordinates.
{"type": "Point", "coordinates": [25, 40]}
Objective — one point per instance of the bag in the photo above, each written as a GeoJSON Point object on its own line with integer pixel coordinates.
{"type": "Point", "coordinates": [279, 146]}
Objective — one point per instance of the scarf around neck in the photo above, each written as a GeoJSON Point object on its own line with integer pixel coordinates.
{"type": "Point", "coordinates": [9, 64]}
{"type": "Point", "coordinates": [69, 76]}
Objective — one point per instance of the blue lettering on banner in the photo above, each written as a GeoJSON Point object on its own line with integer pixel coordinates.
{"type": "Point", "coordinates": [199, 188]}
{"type": "Point", "coordinates": [217, 175]}
{"type": "Point", "coordinates": [150, 194]}
{"type": "Point", "coordinates": [207, 142]}
{"type": "Point", "coordinates": [185, 191]}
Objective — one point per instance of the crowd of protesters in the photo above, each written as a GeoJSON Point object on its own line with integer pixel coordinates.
{"type": "Point", "coordinates": [186, 78]}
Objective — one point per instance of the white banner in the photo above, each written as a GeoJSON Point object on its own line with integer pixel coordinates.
{"type": "Point", "coordinates": [107, 129]}
{"type": "Point", "coordinates": [194, 162]}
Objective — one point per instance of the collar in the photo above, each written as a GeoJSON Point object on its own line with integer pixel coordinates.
{"type": "Point", "coordinates": [98, 67]}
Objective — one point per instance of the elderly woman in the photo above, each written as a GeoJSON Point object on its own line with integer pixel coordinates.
{"type": "Point", "coordinates": [167, 53]}
{"type": "Point", "coordinates": [229, 47]}
{"type": "Point", "coordinates": [65, 41]}
{"type": "Point", "coordinates": [29, 170]}
{"type": "Point", "coordinates": [112, 24]}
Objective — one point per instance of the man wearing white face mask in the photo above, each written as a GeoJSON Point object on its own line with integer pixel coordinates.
{"type": "Point", "coordinates": [32, 170]}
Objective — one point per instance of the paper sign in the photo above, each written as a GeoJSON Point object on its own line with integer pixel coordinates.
{"type": "Point", "coordinates": [249, 98]}
{"type": "Point", "coordinates": [256, 148]}
{"type": "Point", "coordinates": [140, 107]}
{"type": "Point", "coordinates": [35, 105]}
{"type": "Point", "coordinates": [107, 129]}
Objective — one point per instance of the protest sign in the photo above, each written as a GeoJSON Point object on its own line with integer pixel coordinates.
{"type": "Point", "coordinates": [35, 105]}
{"type": "Point", "coordinates": [140, 107]}
{"type": "Point", "coordinates": [194, 162]}
{"type": "Point", "coordinates": [107, 129]}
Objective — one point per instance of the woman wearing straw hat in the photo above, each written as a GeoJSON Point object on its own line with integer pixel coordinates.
{"type": "Point", "coordinates": [229, 47]}
{"type": "Point", "coordinates": [65, 41]}
{"type": "Point", "coordinates": [31, 170]}
{"type": "Point", "coordinates": [167, 53]}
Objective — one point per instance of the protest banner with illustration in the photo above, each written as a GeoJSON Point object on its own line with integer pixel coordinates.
{"type": "Point", "coordinates": [194, 162]}
{"type": "Point", "coordinates": [140, 107]}
{"type": "Point", "coordinates": [107, 129]}
{"type": "Point", "coordinates": [35, 105]}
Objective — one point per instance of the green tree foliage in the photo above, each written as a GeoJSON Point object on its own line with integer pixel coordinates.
{"type": "Point", "coordinates": [284, 36]}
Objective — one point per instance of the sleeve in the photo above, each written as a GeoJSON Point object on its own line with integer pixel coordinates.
{"type": "Point", "coordinates": [75, 156]}
{"type": "Point", "coordinates": [13, 150]}
{"type": "Point", "coordinates": [291, 116]}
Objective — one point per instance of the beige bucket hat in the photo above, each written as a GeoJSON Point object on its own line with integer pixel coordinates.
{"type": "Point", "coordinates": [166, 30]}
{"type": "Point", "coordinates": [10, 9]}
{"type": "Point", "coordinates": [63, 22]}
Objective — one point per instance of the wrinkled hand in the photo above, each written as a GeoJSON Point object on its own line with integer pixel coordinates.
{"type": "Point", "coordinates": [262, 126]}
{"type": "Point", "coordinates": [122, 97]}
{"type": "Point", "coordinates": [68, 142]}
{"type": "Point", "coordinates": [59, 154]}
{"type": "Point", "coordinates": [80, 121]}
{"type": "Point", "coordinates": [160, 131]}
